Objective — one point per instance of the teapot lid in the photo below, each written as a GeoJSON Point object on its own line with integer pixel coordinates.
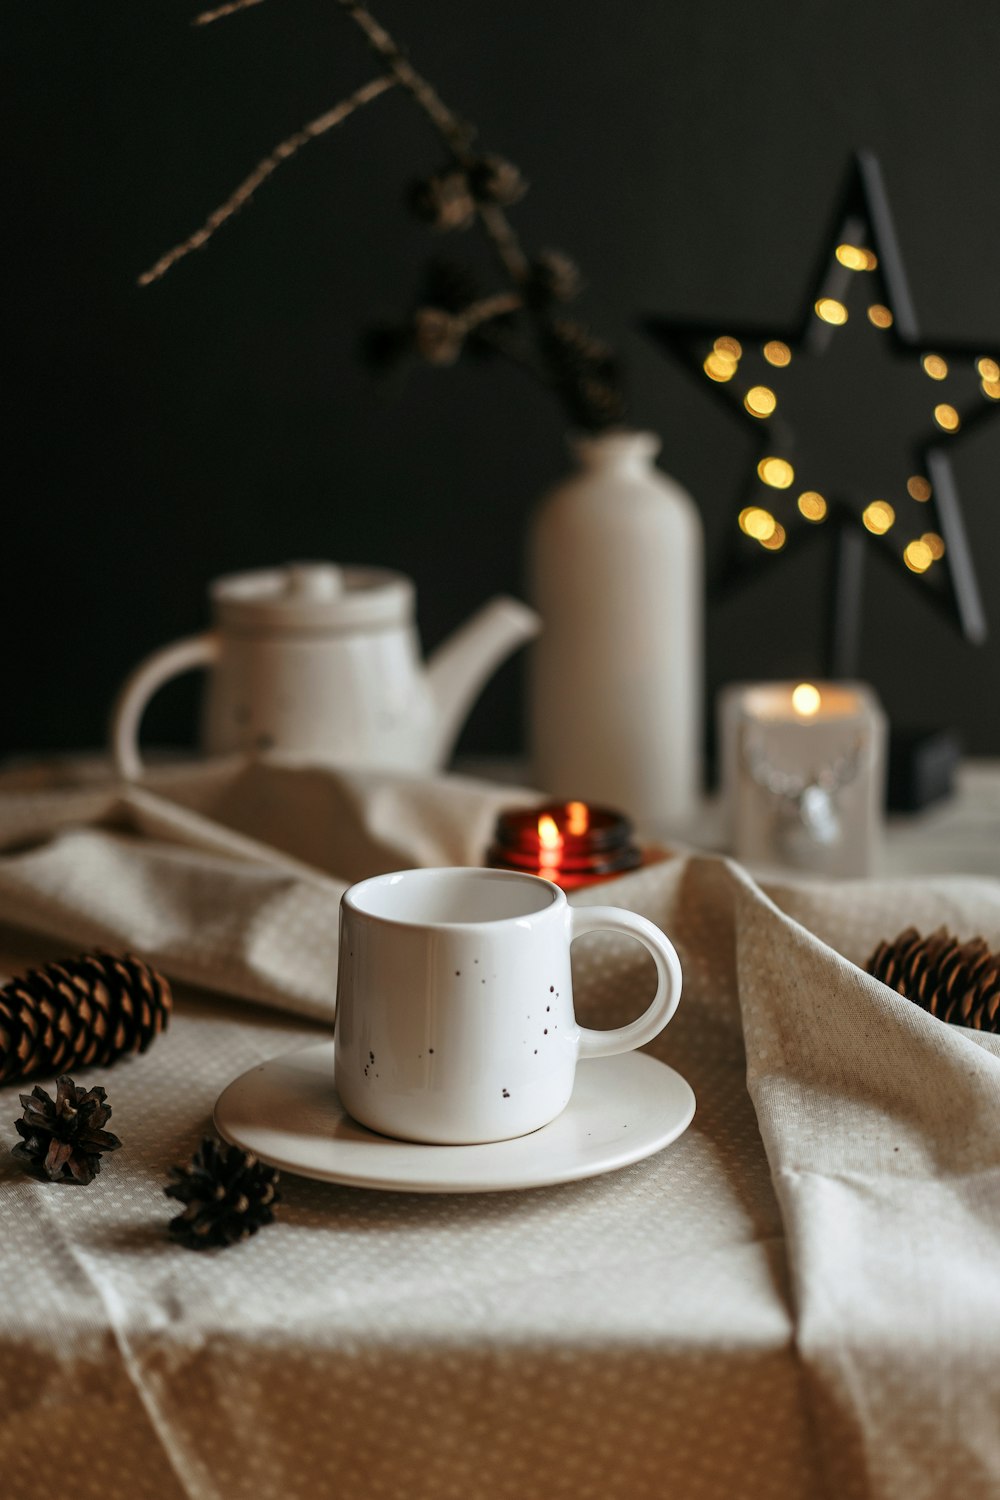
{"type": "Point", "coordinates": [313, 596]}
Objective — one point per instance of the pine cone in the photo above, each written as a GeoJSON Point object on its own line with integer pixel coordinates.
{"type": "Point", "coordinates": [228, 1195]}
{"type": "Point", "coordinates": [957, 982]}
{"type": "Point", "coordinates": [81, 1012]}
{"type": "Point", "coordinates": [492, 179]}
{"type": "Point", "coordinates": [444, 201]}
{"type": "Point", "coordinates": [65, 1136]}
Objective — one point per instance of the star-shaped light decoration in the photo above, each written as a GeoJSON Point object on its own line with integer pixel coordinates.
{"type": "Point", "coordinates": [855, 412]}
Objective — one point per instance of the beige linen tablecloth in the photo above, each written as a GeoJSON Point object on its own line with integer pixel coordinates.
{"type": "Point", "coordinates": [800, 1298]}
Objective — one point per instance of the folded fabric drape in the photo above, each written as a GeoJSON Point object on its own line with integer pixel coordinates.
{"type": "Point", "coordinates": [229, 874]}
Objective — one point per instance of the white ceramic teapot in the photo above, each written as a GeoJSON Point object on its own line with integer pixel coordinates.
{"type": "Point", "coordinates": [324, 662]}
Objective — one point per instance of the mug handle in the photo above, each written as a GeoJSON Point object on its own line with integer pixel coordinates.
{"type": "Point", "coordinates": [668, 973]}
{"type": "Point", "coordinates": [139, 687]}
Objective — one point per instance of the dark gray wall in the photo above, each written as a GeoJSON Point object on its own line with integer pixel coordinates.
{"type": "Point", "coordinates": [685, 154]}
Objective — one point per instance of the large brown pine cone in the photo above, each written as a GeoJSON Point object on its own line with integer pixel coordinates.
{"type": "Point", "coordinates": [81, 1012]}
{"type": "Point", "coordinates": [957, 982]}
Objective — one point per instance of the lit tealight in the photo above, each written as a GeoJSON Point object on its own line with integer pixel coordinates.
{"type": "Point", "coordinates": [935, 543]}
{"type": "Point", "coordinates": [806, 700]}
{"type": "Point", "coordinates": [831, 311]}
{"type": "Point", "coordinates": [917, 556]}
{"type": "Point", "coordinates": [778, 354]}
{"type": "Point", "coordinates": [935, 366]}
{"type": "Point", "coordinates": [577, 818]}
{"type": "Point", "coordinates": [879, 315]}
{"type": "Point", "coordinates": [550, 842]}
{"type": "Point", "coordinates": [776, 540]}
{"type": "Point", "coordinates": [988, 369]}
{"type": "Point", "coordinates": [760, 401]}
{"type": "Point", "coordinates": [777, 472]}
{"type": "Point", "coordinates": [947, 417]}
{"type": "Point", "coordinates": [918, 488]}
{"type": "Point", "coordinates": [878, 516]}
{"type": "Point", "coordinates": [812, 505]}
{"type": "Point", "coordinates": [757, 522]}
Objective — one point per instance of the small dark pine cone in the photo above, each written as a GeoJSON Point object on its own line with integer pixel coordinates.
{"type": "Point", "coordinates": [65, 1136]}
{"type": "Point", "coordinates": [553, 278]}
{"type": "Point", "coordinates": [80, 1013]}
{"type": "Point", "coordinates": [957, 982]}
{"type": "Point", "coordinates": [444, 201]}
{"type": "Point", "coordinates": [437, 335]}
{"type": "Point", "coordinates": [228, 1194]}
{"type": "Point", "coordinates": [492, 179]}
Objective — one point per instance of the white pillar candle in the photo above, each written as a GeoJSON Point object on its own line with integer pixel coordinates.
{"type": "Point", "coordinates": [803, 774]}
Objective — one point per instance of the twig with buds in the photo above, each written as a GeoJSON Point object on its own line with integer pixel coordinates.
{"type": "Point", "coordinates": [473, 188]}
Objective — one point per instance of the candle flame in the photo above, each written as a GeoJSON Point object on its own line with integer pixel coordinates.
{"type": "Point", "coordinates": [548, 833]}
{"type": "Point", "coordinates": [806, 700]}
{"type": "Point", "coordinates": [577, 818]}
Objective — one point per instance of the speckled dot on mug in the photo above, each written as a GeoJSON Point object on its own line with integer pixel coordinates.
{"type": "Point", "coordinates": [455, 1018]}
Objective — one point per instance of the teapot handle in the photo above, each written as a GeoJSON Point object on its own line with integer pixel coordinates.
{"type": "Point", "coordinates": [139, 687]}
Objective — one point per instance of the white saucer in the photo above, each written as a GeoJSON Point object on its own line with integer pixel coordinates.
{"type": "Point", "coordinates": [286, 1111]}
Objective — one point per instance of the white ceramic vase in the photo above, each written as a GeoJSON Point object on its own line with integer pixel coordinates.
{"type": "Point", "coordinates": [615, 569]}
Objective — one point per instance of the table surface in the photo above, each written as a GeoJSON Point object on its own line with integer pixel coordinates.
{"type": "Point", "coordinates": [549, 1343]}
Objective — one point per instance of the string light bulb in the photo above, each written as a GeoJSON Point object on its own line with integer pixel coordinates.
{"type": "Point", "coordinates": [918, 488]}
{"type": "Point", "coordinates": [778, 354]}
{"type": "Point", "coordinates": [831, 311]}
{"type": "Point", "coordinates": [776, 472]}
{"type": "Point", "coordinates": [947, 417]}
{"type": "Point", "coordinates": [812, 505]}
{"type": "Point", "coordinates": [760, 401]}
{"type": "Point", "coordinates": [757, 522]}
{"type": "Point", "coordinates": [917, 556]}
{"type": "Point", "coordinates": [855, 258]}
{"type": "Point", "coordinates": [878, 517]}
{"type": "Point", "coordinates": [879, 315]}
{"type": "Point", "coordinates": [720, 367]}
{"type": "Point", "coordinates": [935, 366]}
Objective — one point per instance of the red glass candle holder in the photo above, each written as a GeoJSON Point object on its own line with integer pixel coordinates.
{"type": "Point", "coordinates": [570, 843]}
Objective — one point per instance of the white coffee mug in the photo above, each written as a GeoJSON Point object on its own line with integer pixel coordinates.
{"type": "Point", "coordinates": [455, 1019]}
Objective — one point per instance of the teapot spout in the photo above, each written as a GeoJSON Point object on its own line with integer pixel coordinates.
{"type": "Point", "coordinates": [459, 668]}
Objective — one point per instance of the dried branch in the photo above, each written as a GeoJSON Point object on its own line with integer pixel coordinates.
{"type": "Point", "coordinates": [208, 16]}
{"type": "Point", "coordinates": [281, 153]}
{"type": "Point", "coordinates": [487, 308]}
{"type": "Point", "coordinates": [473, 187]}
{"type": "Point", "coordinates": [455, 132]}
